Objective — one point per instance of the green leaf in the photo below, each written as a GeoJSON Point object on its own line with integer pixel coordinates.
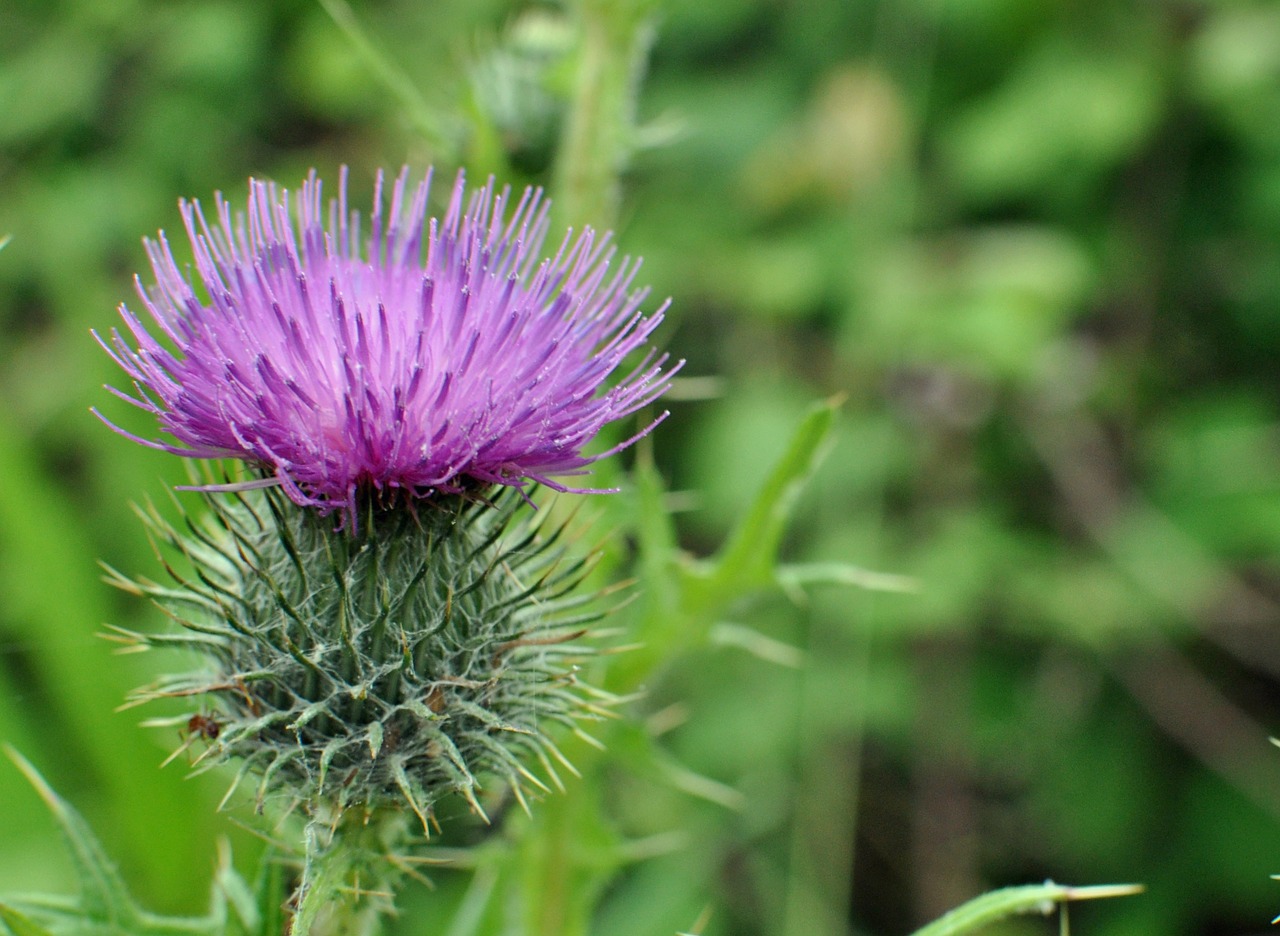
{"type": "Point", "coordinates": [103, 895]}
{"type": "Point", "coordinates": [750, 552]}
{"type": "Point", "coordinates": [104, 906]}
{"type": "Point", "coordinates": [1031, 898]}
{"type": "Point", "coordinates": [686, 599]}
{"type": "Point", "coordinates": [15, 922]}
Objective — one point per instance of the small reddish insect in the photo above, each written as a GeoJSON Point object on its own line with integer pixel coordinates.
{"type": "Point", "coordinates": [198, 726]}
{"type": "Point", "coordinates": [202, 726]}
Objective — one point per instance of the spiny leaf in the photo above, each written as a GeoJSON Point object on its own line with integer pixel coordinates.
{"type": "Point", "coordinates": [104, 907]}
{"type": "Point", "coordinates": [695, 784]}
{"type": "Point", "coordinates": [683, 607]}
{"type": "Point", "coordinates": [656, 532]}
{"type": "Point", "coordinates": [760, 646]}
{"type": "Point", "coordinates": [103, 895]}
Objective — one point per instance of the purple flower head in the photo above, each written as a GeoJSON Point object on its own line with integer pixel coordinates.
{"type": "Point", "coordinates": [422, 356]}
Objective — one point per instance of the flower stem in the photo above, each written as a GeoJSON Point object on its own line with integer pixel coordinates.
{"type": "Point", "coordinates": [348, 881]}
{"type": "Point", "coordinates": [599, 134]}
{"type": "Point", "coordinates": [321, 892]}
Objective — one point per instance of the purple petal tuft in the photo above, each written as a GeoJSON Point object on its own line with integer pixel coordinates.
{"type": "Point", "coordinates": [424, 357]}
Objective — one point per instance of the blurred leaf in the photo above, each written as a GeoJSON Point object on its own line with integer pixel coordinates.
{"type": "Point", "coordinates": [853, 135]}
{"type": "Point", "coordinates": [1032, 898]}
{"type": "Point", "coordinates": [103, 899]}
{"type": "Point", "coordinates": [991, 302]}
{"type": "Point", "coordinates": [56, 624]}
{"type": "Point", "coordinates": [328, 75]}
{"type": "Point", "coordinates": [438, 129]}
{"type": "Point", "coordinates": [1215, 467]}
{"type": "Point", "coordinates": [212, 44]}
{"type": "Point", "coordinates": [560, 868]}
{"type": "Point", "coordinates": [19, 925]}
{"type": "Point", "coordinates": [962, 565]}
{"type": "Point", "coordinates": [1235, 67]}
{"type": "Point", "coordinates": [748, 555]}
{"type": "Point", "coordinates": [48, 85]}
{"type": "Point", "coordinates": [775, 277]}
{"type": "Point", "coordinates": [1066, 113]}
{"type": "Point", "coordinates": [104, 906]}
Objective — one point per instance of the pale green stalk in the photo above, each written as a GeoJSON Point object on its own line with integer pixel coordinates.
{"type": "Point", "coordinates": [325, 893]}
{"type": "Point", "coordinates": [349, 882]}
{"type": "Point", "coordinates": [599, 133]}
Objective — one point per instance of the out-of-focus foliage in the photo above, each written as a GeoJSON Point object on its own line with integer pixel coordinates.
{"type": "Point", "coordinates": [1034, 246]}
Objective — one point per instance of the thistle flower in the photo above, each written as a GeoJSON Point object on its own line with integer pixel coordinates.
{"type": "Point", "coordinates": [363, 673]}
{"type": "Point", "coordinates": [427, 357]}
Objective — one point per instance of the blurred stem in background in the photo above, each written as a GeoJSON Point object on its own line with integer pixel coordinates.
{"type": "Point", "coordinates": [599, 132]}
{"type": "Point", "coordinates": [821, 864]}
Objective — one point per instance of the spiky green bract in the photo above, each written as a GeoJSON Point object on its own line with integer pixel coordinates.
{"type": "Point", "coordinates": [104, 906]}
{"type": "Point", "coordinates": [414, 656]}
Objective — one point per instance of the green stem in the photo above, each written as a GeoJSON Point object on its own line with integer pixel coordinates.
{"type": "Point", "coordinates": [566, 864]}
{"type": "Point", "coordinates": [348, 882]}
{"type": "Point", "coordinates": [599, 132]}
{"type": "Point", "coordinates": [1031, 898]}
{"type": "Point", "coordinates": [321, 891]}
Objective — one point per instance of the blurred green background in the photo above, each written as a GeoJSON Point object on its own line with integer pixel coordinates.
{"type": "Point", "coordinates": [1034, 245]}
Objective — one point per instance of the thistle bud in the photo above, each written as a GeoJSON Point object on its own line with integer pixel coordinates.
{"type": "Point", "coordinates": [425, 651]}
